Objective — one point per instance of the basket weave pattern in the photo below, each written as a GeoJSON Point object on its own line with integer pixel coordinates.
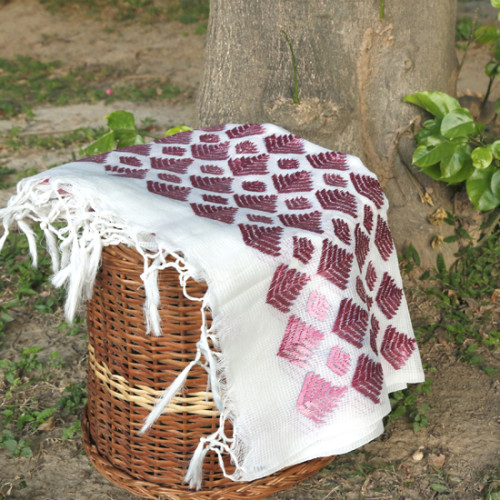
{"type": "Point", "coordinates": [128, 370]}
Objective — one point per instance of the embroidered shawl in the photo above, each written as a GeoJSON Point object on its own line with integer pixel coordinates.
{"type": "Point", "coordinates": [309, 314]}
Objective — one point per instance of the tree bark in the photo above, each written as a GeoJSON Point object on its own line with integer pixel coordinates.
{"type": "Point", "coordinates": [353, 69]}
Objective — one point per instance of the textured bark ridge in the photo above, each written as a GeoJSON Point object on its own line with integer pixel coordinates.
{"type": "Point", "coordinates": [353, 70]}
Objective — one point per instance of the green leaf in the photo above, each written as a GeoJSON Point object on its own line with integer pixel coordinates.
{"type": "Point", "coordinates": [176, 130]}
{"type": "Point", "coordinates": [440, 488]}
{"type": "Point", "coordinates": [104, 144]}
{"type": "Point", "coordinates": [128, 138]}
{"type": "Point", "coordinates": [440, 263]}
{"type": "Point", "coordinates": [433, 172]}
{"type": "Point", "coordinates": [495, 149]}
{"type": "Point", "coordinates": [427, 156]}
{"type": "Point", "coordinates": [486, 34]}
{"type": "Point", "coordinates": [495, 184]}
{"type": "Point", "coordinates": [463, 174]}
{"type": "Point", "coordinates": [458, 123]}
{"type": "Point", "coordinates": [482, 157]}
{"type": "Point", "coordinates": [495, 4]}
{"type": "Point", "coordinates": [453, 163]}
{"type": "Point", "coordinates": [492, 69]}
{"type": "Point", "coordinates": [121, 120]}
{"type": "Point", "coordinates": [438, 104]}
{"type": "Point", "coordinates": [497, 106]}
{"type": "Point", "coordinates": [26, 452]}
{"type": "Point", "coordinates": [479, 189]}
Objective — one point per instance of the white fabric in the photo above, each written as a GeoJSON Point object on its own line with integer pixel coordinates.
{"type": "Point", "coordinates": [308, 310]}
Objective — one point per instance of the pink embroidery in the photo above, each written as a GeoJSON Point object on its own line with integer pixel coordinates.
{"type": "Point", "coordinates": [318, 306]}
{"type": "Point", "coordinates": [302, 249]}
{"type": "Point", "coordinates": [284, 144]}
{"type": "Point", "coordinates": [299, 341]}
{"type": "Point", "coordinates": [210, 151]}
{"type": "Point", "coordinates": [260, 218]}
{"type": "Point", "coordinates": [361, 246]}
{"type": "Point", "coordinates": [368, 187]}
{"type": "Point", "coordinates": [173, 165]}
{"type": "Point", "coordinates": [131, 161]}
{"type": "Point", "coordinates": [211, 138]}
{"type": "Point", "coordinates": [318, 397]}
{"type": "Point", "coordinates": [264, 203]}
{"type": "Point", "coordinates": [212, 169]}
{"type": "Point", "coordinates": [174, 192]}
{"type": "Point", "coordinates": [335, 264]}
{"type": "Point", "coordinates": [299, 203]}
{"type": "Point", "coordinates": [310, 221]}
{"type": "Point", "coordinates": [222, 214]}
{"type": "Point", "coordinates": [389, 296]}
{"type": "Point", "coordinates": [249, 165]}
{"type": "Point", "coordinates": [169, 178]}
{"type": "Point", "coordinates": [335, 180]}
{"type": "Point", "coordinates": [351, 323]}
{"type": "Point", "coordinates": [341, 230]}
{"type": "Point", "coordinates": [213, 198]}
{"type": "Point", "coordinates": [288, 163]}
{"type": "Point", "coordinates": [215, 184]}
{"type": "Point", "coordinates": [255, 186]}
{"type": "Point", "coordinates": [368, 378]}
{"type": "Point", "coordinates": [126, 172]}
{"type": "Point", "coordinates": [374, 330]}
{"type": "Point", "coordinates": [383, 239]}
{"type": "Point", "coordinates": [264, 239]}
{"type": "Point", "coordinates": [371, 276]}
{"type": "Point", "coordinates": [285, 287]}
{"type": "Point", "coordinates": [339, 361]}
{"type": "Point", "coordinates": [341, 201]}
{"type": "Point", "coordinates": [246, 147]}
{"type": "Point", "coordinates": [368, 219]}
{"type": "Point", "coordinates": [294, 182]}
{"type": "Point", "coordinates": [245, 130]}
{"type": "Point", "coordinates": [179, 138]}
{"type": "Point", "coordinates": [331, 159]}
{"type": "Point", "coordinates": [173, 150]}
{"type": "Point", "coordinates": [396, 347]}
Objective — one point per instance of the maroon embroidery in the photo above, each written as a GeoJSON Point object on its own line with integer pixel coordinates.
{"type": "Point", "coordinates": [317, 306]}
{"type": "Point", "coordinates": [245, 130]}
{"type": "Point", "coordinates": [263, 202]}
{"type": "Point", "coordinates": [331, 159]}
{"type": "Point", "coordinates": [369, 187]}
{"type": "Point", "coordinates": [174, 192]}
{"type": "Point", "coordinates": [375, 327]}
{"type": "Point", "coordinates": [383, 239]}
{"type": "Point", "coordinates": [178, 166]}
{"type": "Point", "coordinates": [371, 276]}
{"type": "Point", "coordinates": [396, 347]}
{"type": "Point", "coordinates": [337, 200]}
{"type": "Point", "coordinates": [222, 214]}
{"type": "Point", "coordinates": [264, 239]}
{"type": "Point", "coordinates": [285, 287]}
{"type": "Point", "coordinates": [335, 264]}
{"type": "Point", "coordinates": [302, 249]}
{"type": "Point", "coordinates": [294, 182]}
{"type": "Point", "coordinates": [249, 165]}
{"type": "Point", "coordinates": [299, 341]}
{"type": "Point", "coordinates": [310, 221]}
{"type": "Point", "coordinates": [214, 198]}
{"type": "Point", "coordinates": [169, 178]}
{"type": "Point", "coordinates": [368, 218]}
{"type": "Point", "coordinates": [341, 230]}
{"type": "Point", "coordinates": [360, 289]}
{"type": "Point", "coordinates": [138, 149]}
{"type": "Point", "coordinates": [255, 186]}
{"type": "Point", "coordinates": [351, 323]}
{"type": "Point", "coordinates": [318, 397]}
{"type": "Point", "coordinates": [300, 203]}
{"type": "Point", "coordinates": [126, 172]}
{"type": "Point", "coordinates": [215, 184]}
{"type": "Point", "coordinates": [179, 138]}
{"type": "Point", "coordinates": [210, 151]}
{"type": "Point", "coordinates": [173, 151]}
{"type": "Point", "coordinates": [100, 158]}
{"type": "Point", "coordinates": [246, 147]}
{"type": "Point", "coordinates": [389, 296]}
{"type": "Point", "coordinates": [339, 361]}
{"type": "Point", "coordinates": [260, 218]}
{"type": "Point", "coordinates": [368, 378]}
{"type": "Point", "coordinates": [335, 180]}
{"type": "Point", "coordinates": [361, 245]}
{"type": "Point", "coordinates": [288, 163]}
{"type": "Point", "coordinates": [131, 161]}
{"type": "Point", "coordinates": [211, 138]}
{"type": "Point", "coordinates": [212, 169]}
{"type": "Point", "coordinates": [284, 144]}
{"type": "Point", "coordinates": [213, 128]}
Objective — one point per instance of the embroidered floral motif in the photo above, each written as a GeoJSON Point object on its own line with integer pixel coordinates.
{"type": "Point", "coordinates": [222, 214]}
{"type": "Point", "coordinates": [210, 138]}
{"type": "Point", "coordinates": [173, 151]}
{"type": "Point", "coordinates": [351, 323]}
{"type": "Point", "coordinates": [318, 306]}
{"type": "Point", "coordinates": [331, 159]}
{"type": "Point", "coordinates": [335, 180]}
{"type": "Point", "coordinates": [245, 130]}
{"type": "Point", "coordinates": [265, 239]}
{"type": "Point", "coordinates": [374, 331]}
{"type": "Point", "coordinates": [131, 161]}
{"type": "Point", "coordinates": [180, 138]}
{"type": "Point", "coordinates": [211, 169]}
{"type": "Point", "coordinates": [284, 144]}
{"type": "Point", "coordinates": [255, 186]}
{"type": "Point", "coordinates": [396, 347]}
{"type": "Point", "coordinates": [291, 183]}
{"type": "Point", "coordinates": [215, 184]}
{"type": "Point", "coordinates": [383, 239]}
{"type": "Point", "coordinates": [249, 165]}
{"type": "Point", "coordinates": [246, 147]}
{"type": "Point", "coordinates": [389, 296]}
{"type": "Point", "coordinates": [310, 221]}
{"type": "Point", "coordinates": [178, 166]}
{"type": "Point", "coordinates": [335, 199]}
{"type": "Point", "coordinates": [260, 218]}
{"type": "Point", "coordinates": [339, 361]}
{"type": "Point", "coordinates": [360, 289]}
{"type": "Point", "coordinates": [210, 151]}
{"type": "Point", "coordinates": [335, 264]}
{"type": "Point", "coordinates": [126, 172]}
{"type": "Point", "coordinates": [299, 203]}
{"type": "Point", "coordinates": [361, 246]}
{"type": "Point", "coordinates": [368, 187]}
{"type": "Point", "coordinates": [285, 287]}
{"type": "Point", "coordinates": [214, 198]}
{"type": "Point", "coordinates": [302, 249]}
{"type": "Point", "coordinates": [368, 219]}
{"type": "Point", "coordinates": [368, 378]}
{"type": "Point", "coordinates": [342, 231]}
{"type": "Point", "coordinates": [170, 191]}
{"type": "Point", "coordinates": [371, 276]}
{"type": "Point", "coordinates": [264, 203]}
{"type": "Point", "coordinates": [288, 163]}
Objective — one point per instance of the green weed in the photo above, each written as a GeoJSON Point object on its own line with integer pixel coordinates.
{"type": "Point", "coordinates": [19, 447]}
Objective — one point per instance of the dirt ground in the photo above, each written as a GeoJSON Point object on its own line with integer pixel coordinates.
{"type": "Point", "coordinates": [456, 456]}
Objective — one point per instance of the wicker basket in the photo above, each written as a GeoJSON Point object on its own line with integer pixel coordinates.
{"type": "Point", "coordinates": [129, 369]}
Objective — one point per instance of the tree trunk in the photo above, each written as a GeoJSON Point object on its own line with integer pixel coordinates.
{"type": "Point", "coordinates": [353, 69]}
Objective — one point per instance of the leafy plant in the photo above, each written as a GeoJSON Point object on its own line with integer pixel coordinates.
{"type": "Point", "coordinates": [18, 447]}
{"type": "Point", "coordinates": [453, 148]}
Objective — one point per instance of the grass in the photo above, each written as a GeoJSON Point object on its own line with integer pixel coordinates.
{"type": "Point", "coordinates": [26, 82]}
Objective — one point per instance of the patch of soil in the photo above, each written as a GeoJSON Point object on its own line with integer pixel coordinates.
{"type": "Point", "coordinates": [448, 459]}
